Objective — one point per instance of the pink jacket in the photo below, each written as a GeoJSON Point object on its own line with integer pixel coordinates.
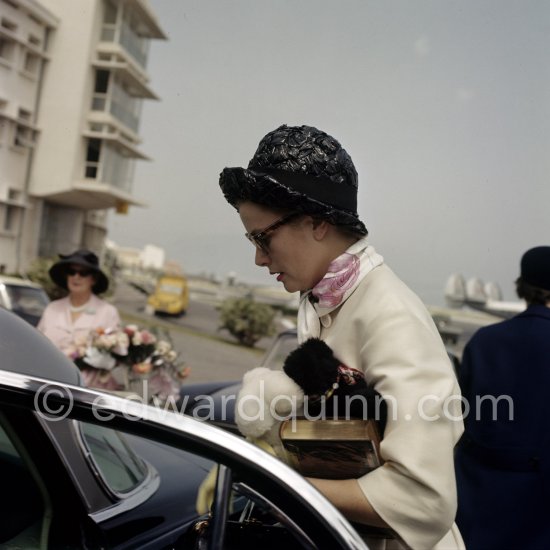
{"type": "Point", "coordinates": [57, 325]}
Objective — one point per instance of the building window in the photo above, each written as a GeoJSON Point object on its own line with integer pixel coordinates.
{"type": "Point", "coordinates": [100, 90]}
{"type": "Point", "coordinates": [25, 115]}
{"type": "Point", "coordinates": [14, 195]}
{"type": "Point", "coordinates": [136, 45]}
{"type": "Point", "coordinates": [92, 158]}
{"type": "Point", "coordinates": [12, 27]}
{"type": "Point", "coordinates": [11, 217]}
{"type": "Point", "coordinates": [6, 48]}
{"type": "Point", "coordinates": [108, 30]}
{"type": "Point", "coordinates": [3, 120]}
{"type": "Point", "coordinates": [31, 63]}
{"type": "Point", "coordinates": [117, 169]}
{"type": "Point", "coordinates": [35, 41]}
{"type": "Point", "coordinates": [24, 137]}
{"type": "Point", "coordinates": [125, 107]}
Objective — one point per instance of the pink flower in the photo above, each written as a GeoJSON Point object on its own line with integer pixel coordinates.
{"type": "Point", "coordinates": [341, 276]}
{"type": "Point", "coordinates": [130, 330]}
{"type": "Point", "coordinates": [147, 337]}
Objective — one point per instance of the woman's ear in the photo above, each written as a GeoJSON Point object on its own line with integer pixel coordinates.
{"type": "Point", "coordinates": [320, 228]}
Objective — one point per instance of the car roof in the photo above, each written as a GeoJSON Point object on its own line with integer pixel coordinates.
{"type": "Point", "coordinates": [4, 279]}
{"type": "Point", "coordinates": [25, 350]}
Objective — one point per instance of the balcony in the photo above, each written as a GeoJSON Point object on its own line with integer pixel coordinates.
{"type": "Point", "coordinates": [106, 178]}
{"type": "Point", "coordinates": [91, 195]}
{"type": "Point", "coordinates": [131, 26]}
{"type": "Point", "coordinates": [113, 59]}
{"type": "Point", "coordinates": [105, 126]}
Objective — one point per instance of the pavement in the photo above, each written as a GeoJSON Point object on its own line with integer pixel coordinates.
{"type": "Point", "coordinates": [212, 355]}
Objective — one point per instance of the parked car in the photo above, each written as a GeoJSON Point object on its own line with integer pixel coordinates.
{"type": "Point", "coordinates": [171, 296]}
{"type": "Point", "coordinates": [23, 297]}
{"type": "Point", "coordinates": [85, 469]}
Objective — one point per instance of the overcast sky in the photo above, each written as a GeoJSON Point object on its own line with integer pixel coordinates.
{"type": "Point", "coordinates": [443, 105]}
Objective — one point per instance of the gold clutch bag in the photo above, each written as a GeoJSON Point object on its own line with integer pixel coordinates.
{"type": "Point", "coordinates": [331, 449]}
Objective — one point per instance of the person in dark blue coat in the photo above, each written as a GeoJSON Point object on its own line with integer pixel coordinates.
{"type": "Point", "coordinates": [503, 459]}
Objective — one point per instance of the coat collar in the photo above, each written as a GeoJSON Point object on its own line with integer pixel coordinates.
{"type": "Point", "coordinates": [536, 311]}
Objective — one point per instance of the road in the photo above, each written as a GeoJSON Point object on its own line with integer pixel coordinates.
{"type": "Point", "coordinates": [212, 355]}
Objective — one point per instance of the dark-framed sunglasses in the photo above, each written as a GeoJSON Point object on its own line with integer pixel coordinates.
{"type": "Point", "coordinates": [259, 238]}
{"type": "Point", "coordinates": [71, 271]}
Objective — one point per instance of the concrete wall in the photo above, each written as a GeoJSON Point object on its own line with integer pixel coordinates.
{"type": "Point", "coordinates": [60, 157]}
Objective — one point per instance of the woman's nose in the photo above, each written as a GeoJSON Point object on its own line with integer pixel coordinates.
{"type": "Point", "coordinates": [262, 258]}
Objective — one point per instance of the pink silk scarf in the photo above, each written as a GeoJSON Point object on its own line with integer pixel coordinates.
{"type": "Point", "coordinates": [343, 276]}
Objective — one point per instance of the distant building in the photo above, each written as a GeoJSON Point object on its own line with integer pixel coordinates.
{"type": "Point", "coordinates": [152, 257]}
{"type": "Point", "coordinates": [127, 259]}
{"type": "Point", "coordinates": [72, 80]}
{"type": "Point", "coordinates": [150, 260]}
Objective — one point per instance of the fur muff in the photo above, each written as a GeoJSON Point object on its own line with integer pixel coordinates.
{"type": "Point", "coordinates": [331, 388]}
{"type": "Point", "coordinates": [265, 398]}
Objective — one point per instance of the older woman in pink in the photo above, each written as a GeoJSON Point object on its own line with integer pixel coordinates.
{"type": "Point", "coordinates": [68, 322]}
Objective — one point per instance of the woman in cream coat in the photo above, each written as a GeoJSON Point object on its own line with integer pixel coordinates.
{"type": "Point", "coordinates": [298, 203]}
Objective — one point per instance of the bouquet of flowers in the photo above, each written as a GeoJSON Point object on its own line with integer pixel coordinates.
{"type": "Point", "coordinates": [130, 359]}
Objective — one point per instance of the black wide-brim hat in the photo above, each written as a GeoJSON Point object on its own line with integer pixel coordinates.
{"type": "Point", "coordinates": [302, 169]}
{"type": "Point", "coordinates": [84, 258]}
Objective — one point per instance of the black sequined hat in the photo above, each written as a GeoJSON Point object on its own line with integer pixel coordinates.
{"type": "Point", "coordinates": [299, 168]}
{"type": "Point", "coordinates": [535, 267]}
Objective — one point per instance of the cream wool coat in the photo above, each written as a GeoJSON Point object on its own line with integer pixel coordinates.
{"type": "Point", "coordinates": [384, 330]}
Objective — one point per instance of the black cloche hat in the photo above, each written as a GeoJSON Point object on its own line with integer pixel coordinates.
{"type": "Point", "coordinates": [302, 169]}
{"type": "Point", "coordinates": [85, 258]}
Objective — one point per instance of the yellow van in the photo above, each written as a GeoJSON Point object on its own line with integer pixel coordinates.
{"type": "Point", "coordinates": [171, 296]}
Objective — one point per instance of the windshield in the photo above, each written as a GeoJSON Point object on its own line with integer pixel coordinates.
{"type": "Point", "coordinates": [276, 356]}
{"type": "Point", "coordinates": [27, 299]}
{"type": "Point", "coordinates": [170, 288]}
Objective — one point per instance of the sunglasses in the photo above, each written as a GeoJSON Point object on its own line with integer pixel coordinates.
{"type": "Point", "coordinates": [260, 238]}
{"type": "Point", "coordinates": [71, 271]}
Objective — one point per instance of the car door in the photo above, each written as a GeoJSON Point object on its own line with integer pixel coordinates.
{"type": "Point", "coordinates": [255, 497]}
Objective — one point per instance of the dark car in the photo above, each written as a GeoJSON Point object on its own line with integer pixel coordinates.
{"type": "Point", "coordinates": [23, 297]}
{"type": "Point", "coordinates": [81, 469]}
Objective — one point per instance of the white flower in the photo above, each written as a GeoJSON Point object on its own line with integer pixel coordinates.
{"type": "Point", "coordinates": [163, 347]}
{"type": "Point", "coordinates": [99, 359]}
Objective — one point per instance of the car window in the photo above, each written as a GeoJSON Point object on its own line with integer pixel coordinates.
{"type": "Point", "coordinates": [120, 467]}
{"type": "Point", "coordinates": [29, 300]}
{"type": "Point", "coordinates": [22, 503]}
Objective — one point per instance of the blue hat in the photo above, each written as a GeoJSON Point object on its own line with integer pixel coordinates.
{"type": "Point", "coordinates": [535, 267]}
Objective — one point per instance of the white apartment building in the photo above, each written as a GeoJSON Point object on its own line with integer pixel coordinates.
{"type": "Point", "coordinates": [72, 80]}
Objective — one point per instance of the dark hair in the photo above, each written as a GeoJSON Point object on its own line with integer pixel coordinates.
{"type": "Point", "coordinates": [532, 294]}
